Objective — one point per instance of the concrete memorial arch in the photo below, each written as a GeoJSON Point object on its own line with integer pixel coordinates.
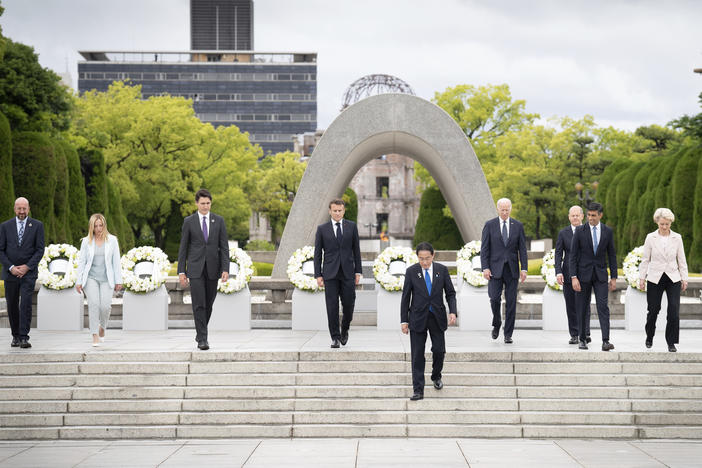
{"type": "Point", "coordinates": [387, 124]}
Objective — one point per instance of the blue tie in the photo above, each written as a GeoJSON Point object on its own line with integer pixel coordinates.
{"type": "Point", "coordinates": [594, 238]}
{"type": "Point", "coordinates": [427, 280]}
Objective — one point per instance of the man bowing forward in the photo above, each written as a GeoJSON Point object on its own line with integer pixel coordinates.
{"type": "Point", "coordinates": [422, 309]}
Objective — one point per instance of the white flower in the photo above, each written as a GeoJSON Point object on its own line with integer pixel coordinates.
{"type": "Point", "coordinates": [548, 270]}
{"type": "Point", "coordinates": [294, 270]}
{"type": "Point", "coordinates": [135, 284]}
{"type": "Point", "coordinates": [243, 276]}
{"type": "Point", "coordinates": [631, 267]}
{"type": "Point", "coordinates": [381, 267]}
{"type": "Point", "coordinates": [464, 264]}
{"type": "Point", "coordinates": [53, 281]}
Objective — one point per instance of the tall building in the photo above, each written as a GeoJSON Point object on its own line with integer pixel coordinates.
{"type": "Point", "coordinates": [221, 25]}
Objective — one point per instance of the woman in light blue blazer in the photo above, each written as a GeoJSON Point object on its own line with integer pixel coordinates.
{"type": "Point", "coordinates": [99, 273]}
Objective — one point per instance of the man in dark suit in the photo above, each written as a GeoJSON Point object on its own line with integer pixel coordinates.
{"type": "Point", "coordinates": [591, 250]}
{"type": "Point", "coordinates": [21, 249]}
{"type": "Point", "coordinates": [422, 309]}
{"type": "Point", "coordinates": [203, 258]}
{"type": "Point", "coordinates": [339, 269]}
{"type": "Point", "coordinates": [502, 248]}
{"type": "Point", "coordinates": [561, 260]}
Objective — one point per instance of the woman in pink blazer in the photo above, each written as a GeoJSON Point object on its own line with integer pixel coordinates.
{"type": "Point", "coordinates": [663, 268]}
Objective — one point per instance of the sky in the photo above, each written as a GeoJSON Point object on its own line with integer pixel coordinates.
{"type": "Point", "coordinates": [627, 63]}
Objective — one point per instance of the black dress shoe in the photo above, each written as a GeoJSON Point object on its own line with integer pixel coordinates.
{"type": "Point", "coordinates": [649, 343]}
{"type": "Point", "coordinates": [588, 339]}
{"type": "Point", "coordinates": [508, 340]}
{"type": "Point", "coordinates": [15, 343]}
{"type": "Point", "coordinates": [582, 345]}
{"type": "Point", "coordinates": [607, 346]}
{"type": "Point", "coordinates": [438, 384]}
{"type": "Point", "coordinates": [344, 337]}
{"type": "Point", "coordinates": [203, 345]}
{"type": "Point", "coordinates": [573, 340]}
{"type": "Point", "coordinates": [417, 396]}
{"type": "Point", "coordinates": [24, 343]}
{"type": "Point", "coordinates": [335, 344]}
{"type": "Point", "coordinates": [495, 332]}
{"type": "Point", "coordinates": [672, 348]}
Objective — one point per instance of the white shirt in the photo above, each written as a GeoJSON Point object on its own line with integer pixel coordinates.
{"type": "Point", "coordinates": [431, 273]}
{"type": "Point", "coordinates": [341, 225]}
{"type": "Point", "coordinates": [502, 223]}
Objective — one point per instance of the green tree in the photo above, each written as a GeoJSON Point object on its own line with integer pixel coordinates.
{"type": "Point", "coordinates": [433, 226]}
{"type": "Point", "coordinates": [7, 188]}
{"type": "Point", "coordinates": [77, 208]}
{"type": "Point", "coordinates": [61, 233]}
{"type": "Point", "coordinates": [659, 137]}
{"type": "Point", "coordinates": [351, 200]}
{"type": "Point", "coordinates": [119, 226]}
{"type": "Point", "coordinates": [691, 125]}
{"type": "Point", "coordinates": [624, 184]}
{"type": "Point", "coordinates": [683, 192]}
{"type": "Point", "coordinates": [694, 256]}
{"type": "Point", "coordinates": [92, 166]}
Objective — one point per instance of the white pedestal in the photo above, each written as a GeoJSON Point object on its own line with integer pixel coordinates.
{"type": "Point", "coordinates": [145, 311]}
{"type": "Point", "coordinates": [474, 312]}
{"type": "Point", "coordinates": [553, 311]}
{"type": "Point", "coordinates": [388, 309]}
{"type": "Point", "coordinates": [309, 311]}
{"type": "Point", "coordinates": [231, 311]}
{"type": "Point", "coordinates": [636, 309]}
{"type": "Point", "coordinates": [59, 310]}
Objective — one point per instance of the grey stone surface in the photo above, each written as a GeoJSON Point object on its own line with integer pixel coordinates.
{"type": "Point", "coordinates": [384, 124]}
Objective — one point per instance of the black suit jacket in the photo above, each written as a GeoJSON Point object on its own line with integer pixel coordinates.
{"type": "Point", "coordinates": [194, 253]}
{"type": "Point", "coordinates": [29, 253]}
{"type": "Point", "coordinates": [493, 252]}
{"type": "Point", "coordinates": [415, 302]}
{"type": "Point", "coordinates": [346, 255]}
{"type": "Point", "coordinates": [562, 254]}
{"type": "Point", "coordinates": [583, 260]}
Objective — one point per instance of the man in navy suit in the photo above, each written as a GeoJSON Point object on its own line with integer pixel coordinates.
{"type": "Point", "coordinates": [339, 269]}
{"type": "Point", "coordinates": [21, 249]}
{"type": "Point", "coordinates": [422, 309]}
{"type": "Point", "coordinates": [561, 260]}
{"type": "Point", "coordinates": [591, 250]}
{"type": "Point", "coordinates": [503, 247]}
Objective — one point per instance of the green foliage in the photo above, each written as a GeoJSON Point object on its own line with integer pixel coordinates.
{"type": "Point", "coordinates": [622, 242]}
{"type": "Point", "coordinates": [659, 137]}
{"type": "Point", "coordinates": [60, 234]}
{"type": "Point", "coordinates": [31, 96]}
{"type": "Point", "coordinates": [77, 210]}
{"type": "Point", "coordinates": [683, 193]}
{"type": "Point", "coordinates": [174, 229]}
{"type": "Point", "coordinates": [119, 226]}
{"type": "Point", "coordinates": [694, 257]}
{"type": "Point", "coordinates": [7, 188]}
{"type": "Point", "coordinates": [432, 226]}
{"type": "Point", "coordinates": [92, 166]}
{"type": "Point", "coordinates": [259, 244]}
{"type": "Point", "coordinates": [351, 200]}
{"type": "Point", "coordinates": [633, 230]}
{"type": "Point", "coordinates": [262, 269]}
{"type": "Point", "coordinates": [646, 204]}
{"type": "Point", "coordinates": [607, 187]}
{"type": "Point", "coordinates": [33, 171]}
{"type": "Point", "coordinates": [691, 125]}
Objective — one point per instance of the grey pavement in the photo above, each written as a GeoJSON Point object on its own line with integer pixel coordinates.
{"type": "Point", "coordinates": [342, 453]}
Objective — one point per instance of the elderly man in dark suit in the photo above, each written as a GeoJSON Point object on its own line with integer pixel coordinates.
{"type": "Point", "coordinates": [561, 260]}
{"type": "Point", "coordinates": [502, 249]}
{"type": "Point", "coordinates": [592, 249]}
{"type": "Point", "coordinates": [422, 309]}
{"type": "Point", "coordinates": [21, 249]}
{"type": "Point", "coordinates": [203, 258]}
{"type": "Point", "coordinates": [337, 267]}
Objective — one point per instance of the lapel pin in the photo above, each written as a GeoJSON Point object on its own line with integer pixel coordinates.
{"type": "Point", "coordinates": [419, 275]}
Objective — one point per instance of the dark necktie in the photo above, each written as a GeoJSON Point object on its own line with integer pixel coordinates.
{"type": "Point", "coordinates": [338, 232]}
{"type": "Point", "coordinates": [20, 234]}
{"type": "Point", "coordinates": [505, 238]}
{"type": "Point", "coordinates": [204, 228]}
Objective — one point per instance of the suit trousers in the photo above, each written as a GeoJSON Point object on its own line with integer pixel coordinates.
{"type": "Point", "coordinates": [203, 291]}
{"type": "Point", "coordinates": [654, 294]}
{"type": "Point", "coordinates": [495, 286]}
{"type": "Point", "coordinates": [339, 288]}
{"type": "Point", "coordinates": [571, 309]}
{"type": "Point", "coordinates": [582, 300]}
{"type": "Point", "coordinates": [18, 294]}
{"type": "Point", "coordinates": [99, 294]}
{"type": "Point", "coordinates": [438, 350]}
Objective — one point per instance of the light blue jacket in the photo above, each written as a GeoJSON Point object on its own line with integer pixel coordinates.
{"type": "Point", "coordinates": [112, 261]}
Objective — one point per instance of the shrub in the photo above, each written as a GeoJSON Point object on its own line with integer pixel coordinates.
{"type": "Point", "coordinates": [433, 226]}
{"type": "Point", "coordinates": [7, 188]}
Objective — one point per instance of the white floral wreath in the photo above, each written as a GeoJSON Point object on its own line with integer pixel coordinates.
{"type": "Point", "coordinates": [295, 274]}
{"type": "Point", "coordinates": [381, 267]}
{"type": "Point", "coordinates": [464, 264]}
{"type": "Point", "coordinates": [52, 280]}
{"type": "Point", "coordinates": [243, 276]}
{"type": "Point", "coordinates": [631, 267]}
{"type": "Point", "coordinates": [135, 284]}
{"type": "Point", "coordinates": [548, 270]}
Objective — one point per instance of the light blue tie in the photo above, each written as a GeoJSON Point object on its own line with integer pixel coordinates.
{"type": "Point", "coordinates": [594, 238]}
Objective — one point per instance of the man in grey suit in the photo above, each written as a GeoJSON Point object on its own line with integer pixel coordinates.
{"type": "Point", "coordinates": [203, 258]}
{"type": "Point", "coordinates": [502, 248]}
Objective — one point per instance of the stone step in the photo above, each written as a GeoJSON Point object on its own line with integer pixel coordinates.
{"type": "Point", "coordinates": [669, 419]}
{"type": "Point", "coordinates": [580, 431]}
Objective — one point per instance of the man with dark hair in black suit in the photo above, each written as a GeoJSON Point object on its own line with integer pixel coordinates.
{"type": "Point", "coordinates": [591, 250]}
{"type": "Point", "coordinates": [422, 309]}
{"type": "Point", "coordinates": [21, 249]}
{"type": "Point", "coordinates": [203, 258]}
{"type": "Point", "coordinates": [502, 248]}
{"type": "Point", "coordinates": [337, 267]}
{"type": "Point", "coordinates": [561, 260]}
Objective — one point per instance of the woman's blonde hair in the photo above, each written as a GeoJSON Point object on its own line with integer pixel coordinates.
{"type": "Point", "coordinates": [91, 227]}
{"type": "Point", "coordinates": [664, 213]}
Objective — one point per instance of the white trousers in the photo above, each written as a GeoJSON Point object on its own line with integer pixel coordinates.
{"type": "Point", "coordinates": [99, 296]}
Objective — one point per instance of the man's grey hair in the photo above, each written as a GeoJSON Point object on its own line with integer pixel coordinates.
{"type": "Point", "coordinates": [578, 207]}
{"type": "Point", "coordinates": [504, 201]}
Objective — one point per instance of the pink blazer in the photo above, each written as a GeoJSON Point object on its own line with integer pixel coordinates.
{"type": "Point", "coordinates": [659, 258]}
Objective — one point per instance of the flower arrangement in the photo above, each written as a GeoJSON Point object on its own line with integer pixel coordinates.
{"type": "Point", "coordinates": [135, 284]}
{"type": "Point", "coordinates": [297, 277]}
{"type": "Point", "coordinates": [464, 264]}
{"type": "Point", "coordinates": [548, 270]}
{"type": "Point", "coordinates": [381, 267]}
{"type": "Point", "coordinates": [56, 281]}
{"type": "Point", "coordinates": [243, 276]}
{"type": "Point", "coordinates": [631, 267]}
